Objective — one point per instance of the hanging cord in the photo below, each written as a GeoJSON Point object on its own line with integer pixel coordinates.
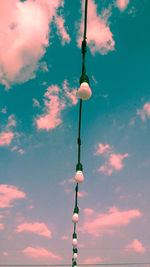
{"type": "Point", "coordinates": [79, 165]}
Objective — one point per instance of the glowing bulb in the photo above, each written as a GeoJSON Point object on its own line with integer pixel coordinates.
{"type": "Point", "coordinates": [75, 218]}
{"type": "Point", "coordinates": [74, 242]}
{"type": "Point", "coordinates": [79, 177]}
{"type": "Point", "coordinates": [84, 91]}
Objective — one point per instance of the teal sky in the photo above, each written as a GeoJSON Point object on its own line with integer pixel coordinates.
{"type": "Point", "coordinates": [39, 76]}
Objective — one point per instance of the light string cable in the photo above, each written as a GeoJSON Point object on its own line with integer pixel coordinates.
{"type": "Point", "coordinates": [84, 93]}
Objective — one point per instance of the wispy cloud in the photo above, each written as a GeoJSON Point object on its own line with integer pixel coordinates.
{"type": "Point", "coordinates": [136, 246]}
{"type": "Point", "coordinates": [7, 134]}
{"type": "Point", "coordinates": [100, 37]}
{"type": "Point", "coordinates": [55, 100]}
{"type": "Point", "coordinates": [24, 41]}
{"type": "Point", "coordinates": [144, 112]}
{"type": "Point", "coordinates": [106, 223]}
{"type": "Point", "coordinates": [8, 194]}
{"type": "Point", "coordinates": [113, 162]}
{"type": "Point", "coordinates": [36, 228]}
{"type": "Point", "coordinates": [40, 253]}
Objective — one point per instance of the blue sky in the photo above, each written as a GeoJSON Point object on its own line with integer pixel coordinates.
{"type": "Point", "coordinates": [39, 78]}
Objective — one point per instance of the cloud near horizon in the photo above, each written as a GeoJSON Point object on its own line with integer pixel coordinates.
{"type": "Point", "coordinates": [136, 246]}
{"type": "Point", "coordinates": [8, 194]}
{"type": "Point", "coordinates": [40, 253]}
{"type": "Point", "coordinates": [106, 223]}
{"type": "Point", "coordinates": [36, 228]}
{"type": "Point", "coordinates": [25, 33]}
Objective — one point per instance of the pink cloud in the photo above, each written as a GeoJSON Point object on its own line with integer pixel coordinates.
{"type": "Point", "coordinates": [6, 138]}
{"type": "Point", "coordinates": [115, 161]}
{"type": "Point", "coordinates": [54, 106]}
{"type": "Point", "coordinates": [9, 193]}
{"type": "Point", "coordinates": [55, 100]}
{"type": "Point", "coordinates": [82, 194]}
{"type": "Point", "coordinates": [122, 4]}
{"type": "Point", "coordinates": [24, 41]}
{"type": "Point", "coordinates": [36, 228]}
{"type": "Point", "coordinates": [88, 211]}
{"type": "Point", "coordinates": [40, 253]}
{"type": "Point", "coordinates": [21, 151]}
{"type": "Point", "coordinates": [5, 253]}
{"type": "Point", "coordinates": [36, 103]}
{"type": "Point", "coordinates": [145, 111]}
{"type": "Point", "coordinates": [93, 260]}
{"type": "Point", "coordinates": [71, 93]}
{"type": "Point", "coordinates": [102, 148]}
{"type": "Point", "coordinates": [1, 226]}
{"type": "Point", "coordinates": [100, 38]}
{"type": "Point", "coordinates": [14, 148]}
{"type": "Point", "coordinates": [136, 246]}
{"type": "Point", "coordinates": [61, 29]}
{"type": "Point", "coordinates": [65, 237]}
{"type": "Point", "coordinates": [101, 223]}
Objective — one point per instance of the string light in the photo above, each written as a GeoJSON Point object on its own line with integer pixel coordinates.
{"type": "Point", "coordinates": [84, 93]}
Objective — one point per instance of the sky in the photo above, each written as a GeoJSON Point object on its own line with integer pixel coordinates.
{"type": "Point", "coordinates": [40, 67]}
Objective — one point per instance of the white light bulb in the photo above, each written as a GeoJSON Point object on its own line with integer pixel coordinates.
{"type": "Point", "coordinates": [74, 242]}
{"type": "Point", "coordinates": [84, 91]}
{"type": "Point", "coordinates": [79, 177]}
{"type": "Point", "coordinates": [75, 218]}
{"type": "Point", "coordinates": [75, 255]}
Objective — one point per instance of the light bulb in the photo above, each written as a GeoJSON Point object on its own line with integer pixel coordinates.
{"type": "Point", "coordinates": [74, 242]}
{"type": "Point", "coordinates": [75, 255]}
{"type": "Point", "coordinates": [75, 218]}
{"type": "Point", "coordinates": [79, 177]}
{"type": "Point", "coordinates": [84, 91]}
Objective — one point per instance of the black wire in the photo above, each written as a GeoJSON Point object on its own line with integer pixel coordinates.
{"type": "Point", "coordinates": [82, 264]}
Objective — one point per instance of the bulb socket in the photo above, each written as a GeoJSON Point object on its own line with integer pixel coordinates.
{"type": "Point", "coordinates": [79, 167]}
{"type": "Point", "coordinates": [74, 235]}
{"type": "Point", "coordinates": [76, 210]}
{"type": "Point", "coordinates": [84, 78]}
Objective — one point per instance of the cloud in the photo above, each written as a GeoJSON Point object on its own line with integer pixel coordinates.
{"type": "Point", "coordinates": [55, 100]}
{"type": "Point", "coordinates": [21, 151]}
{"type": "Point", "coordinates": [102, 148]}
{"type": "Point", "coordinates": [36, 228]}
{"type": "Point", "coordinates": [101, 223]}
{"type": "Point", "coordinates": [5, 253]}
{"type": "Point", "coordinates": [122, 4]}
{"type": "Point", "coordinates": [1, 226]}
{"type": "Point", "coordinates": [9, 193]}
{"type": "Point", "coordinates": [88, 211]}
{"type": "Point", "coordinates": [82, 194]}
{"type": "Point", "coordinates": [65, 237]}
{"type": "Point", "coordinates": [25, 32]}
{"type": "Point", "coordinates": [40, 253]}
{"type": "Point", "coordinates": [7, 134]}
{"type": "Point", "coordinates": [93, 260]}
{"type": "Point", "coordinates": [6, 138]}
{"type": "Point", "coordinates": [144, 112]}
{"type": "Point", "coordinates": [136, 246]}
{"type": "Point", "coordinates": [113, 161]}
{"type": "Point", "coordinates": [100, 38]}
{"type": "Point", "coordinates": [36, 103]}
{"type": "Point", "coordinates": [61, 31]}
